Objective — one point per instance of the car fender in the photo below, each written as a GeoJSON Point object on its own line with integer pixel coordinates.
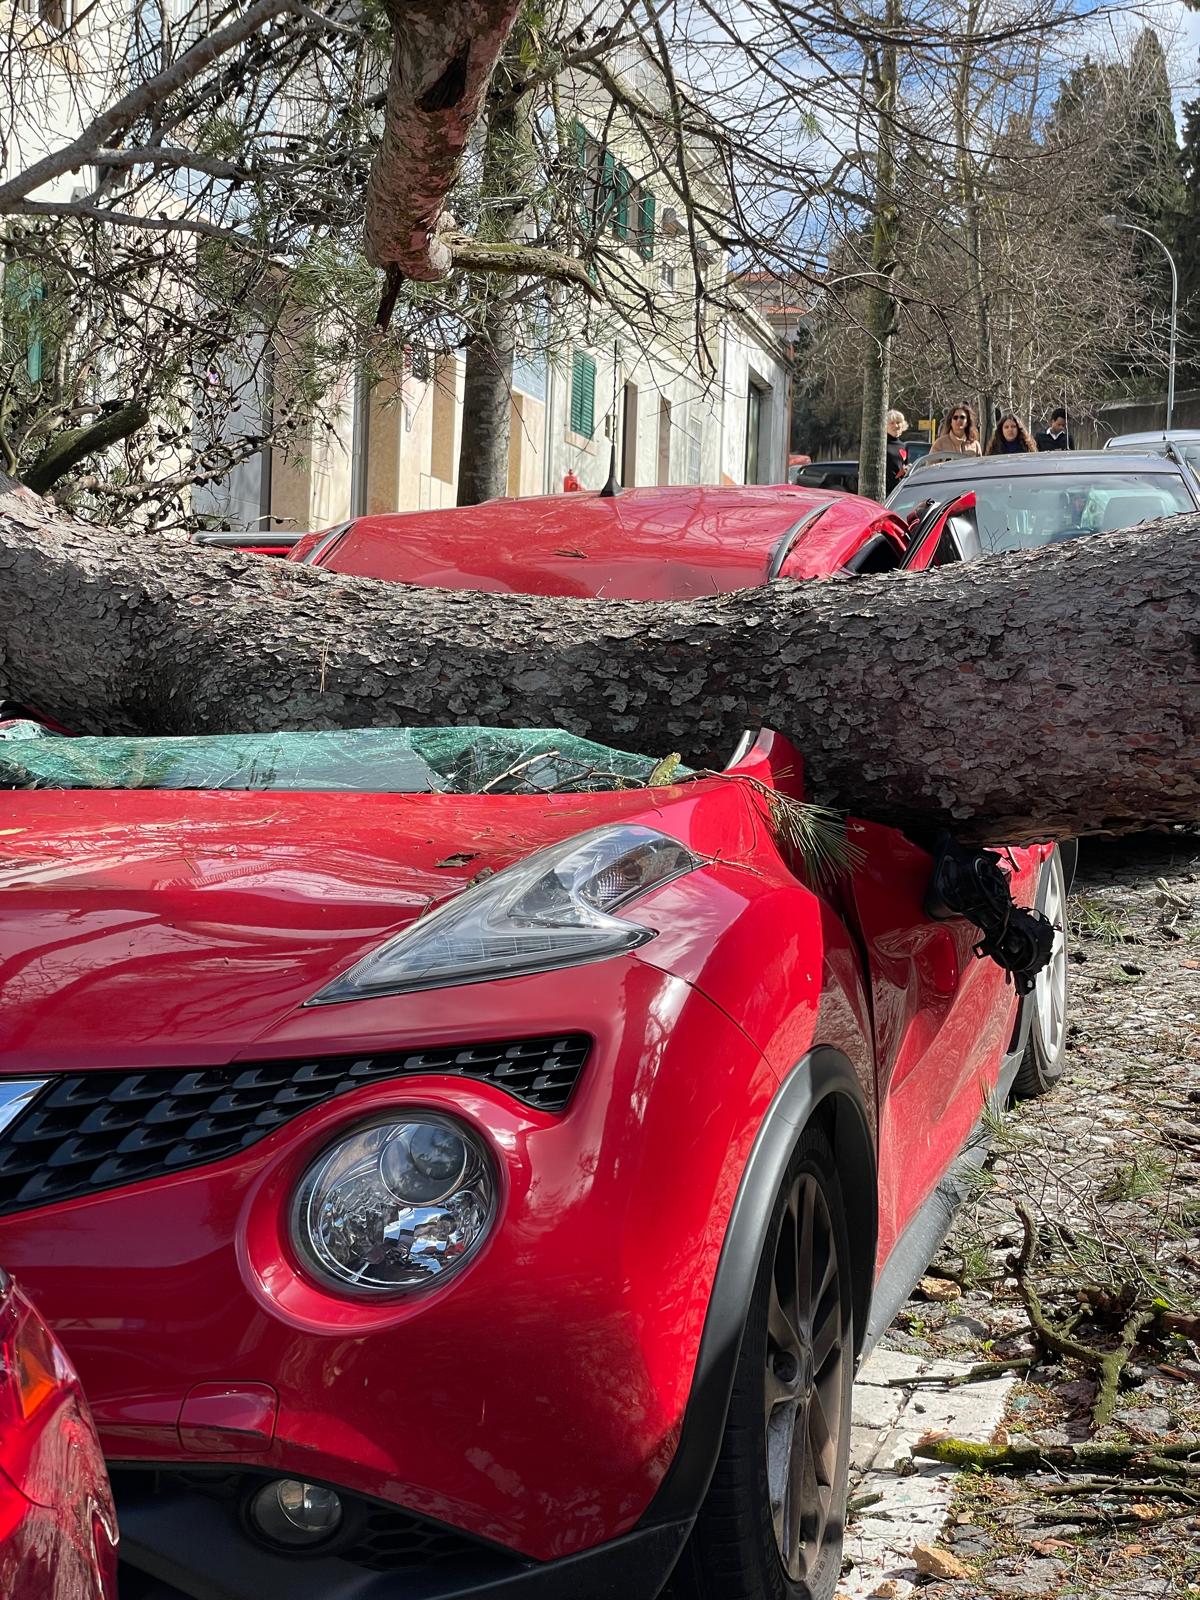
{"type": "Point", "coordinates": [823, 1085]}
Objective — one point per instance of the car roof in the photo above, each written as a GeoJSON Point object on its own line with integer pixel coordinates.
{"type": "Point", "coordinates": [639, 544]}
{"type": "Point", "coordinates": [1156, 436]}
{"type": "Point", "coordinates": [1042, 463]}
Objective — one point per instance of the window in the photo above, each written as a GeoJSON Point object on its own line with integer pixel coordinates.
{"type": "Point", "coordinates": [754, 410]}
{"type": "Point", "coordinates": [695, 440]}
{"type": "Point", "coordinates": [647, 206]}
{"type": "Point", "coordinates": [610, 196]}
{"type": "Point", "coordinates": [583, 394]}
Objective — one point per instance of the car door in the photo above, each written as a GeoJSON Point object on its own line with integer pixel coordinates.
{"type": "Point", "coordinates": [942, 1017]}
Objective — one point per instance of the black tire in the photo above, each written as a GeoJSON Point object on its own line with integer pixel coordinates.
{"type": "Point", "coordinates": [1046, 1050]}
{"type": "Point", "coordinates": [745, 1541]}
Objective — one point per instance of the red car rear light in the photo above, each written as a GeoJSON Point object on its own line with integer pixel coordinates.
{"type": "Point", "coordinates": [31, 1375]}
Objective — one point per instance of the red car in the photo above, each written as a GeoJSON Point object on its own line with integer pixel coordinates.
{"type": "Point", "coordinates": [472, 1162]}
{"type": "Point", "coordinates": [58, 1530]}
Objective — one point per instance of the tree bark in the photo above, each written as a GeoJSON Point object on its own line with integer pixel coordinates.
{"type": "Point", "coordinates": [880, 298]}
{"type": "Point", "coordinates": [442, 61]}
{"type": "Point", "coordinates": [1048, 693]}
{"type": "Point", "coordinates": [508, 166]}
{"type": "Point", "coordinates": [487, 407]}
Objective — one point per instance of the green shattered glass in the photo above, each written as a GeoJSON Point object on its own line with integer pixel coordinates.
{"type": "Point", "coordinates": [354, 761]}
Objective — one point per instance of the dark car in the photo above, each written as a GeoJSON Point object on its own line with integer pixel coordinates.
{"type": "Point", "coordinates": [829, 475]}
{"type": "Point", "coordinates": [1024, 501]}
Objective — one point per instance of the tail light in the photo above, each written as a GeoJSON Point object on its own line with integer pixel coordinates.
{"type": "Point", "coordinates": [32, 1372]}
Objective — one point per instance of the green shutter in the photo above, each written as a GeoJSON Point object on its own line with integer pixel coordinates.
{"type": "Point", "coordinates": [583, 394]}
{"type": "Point", "coordinates": [645, 232]}
{"type": "Point", "coordinates": [608, 187]}
{"type": "Point", "coordinates": [623, 191]}
{"type": "Point", "coordinates": [579, 133]}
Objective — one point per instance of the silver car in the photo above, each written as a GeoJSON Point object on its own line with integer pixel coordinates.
{"type": "Point", "coordinates": [1023, 501]}
{"type": "Point", "coordinates": [1183, 443]}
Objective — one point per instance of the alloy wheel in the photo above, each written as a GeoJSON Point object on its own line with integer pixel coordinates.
{"type": "Point", "coordinates": [804, 1387]}
{"type": "Point", "coordinates": [1050, 984]}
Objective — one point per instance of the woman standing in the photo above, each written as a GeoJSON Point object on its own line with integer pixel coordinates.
{"type": "Point", "coordinates": [1011, 438]}
{"type": "Point", "coordinates": [960, 433]}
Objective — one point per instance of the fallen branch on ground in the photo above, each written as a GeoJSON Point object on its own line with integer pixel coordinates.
{"type": "Point", "coordinates": [1105, 1364]}
{"type": "Point", "coordinates": [979, 1373]}
{"type": "Point", "coordinates": [1129, 1459]}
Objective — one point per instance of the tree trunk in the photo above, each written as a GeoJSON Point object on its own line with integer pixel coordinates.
{"type": "Point", "coordinates": [442, 61]}
{"type": "Point", "coordinates": [508, 162]}
{"type": "Point", "coordinates": [487, 407]}
{"type": "Point", "coordinates": [968, 186]}
{"type": "Point", "coordinates": [880, 304]}
{"type": "Point", "coordinates": [1046, 693]}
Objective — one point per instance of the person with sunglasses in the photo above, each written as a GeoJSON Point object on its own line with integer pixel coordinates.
{"type": "Point", "coordinates": [959, 434]}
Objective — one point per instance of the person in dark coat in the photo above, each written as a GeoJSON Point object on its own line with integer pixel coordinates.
{"type": "Point", "coordinates": [1055, 436]}
{"type": "Point", "coordinates": [897, 455]}
{"type": "Point", "coordinates": [1011, 438]}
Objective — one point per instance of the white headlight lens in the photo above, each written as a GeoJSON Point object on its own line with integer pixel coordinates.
{"type": "Point", "coordinates": [553, 909]}
{"type": "Point", "coordinates": [395, 1205]}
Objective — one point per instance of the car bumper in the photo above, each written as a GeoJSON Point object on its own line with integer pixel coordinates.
{"type": "Point", "coordinates": [185, 1543]}
{"type": "Point", "coordinates": [534, 1403]}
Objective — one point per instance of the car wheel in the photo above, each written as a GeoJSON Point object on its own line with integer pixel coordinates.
{"type": "Point", "coordinates": [1046, 1051]}
{"type": "Point", "coordinates": [771, 1525]}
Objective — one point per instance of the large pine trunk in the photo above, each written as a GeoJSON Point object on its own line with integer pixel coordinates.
{"type": "Point", "coordinates": [1049, 693]}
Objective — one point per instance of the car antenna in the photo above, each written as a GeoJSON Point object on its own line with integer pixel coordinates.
{"type": "Point", "coordinates": [611, 486]}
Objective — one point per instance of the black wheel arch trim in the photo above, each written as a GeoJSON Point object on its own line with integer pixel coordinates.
{"type": "Point", "coordinates": [822, 1085]}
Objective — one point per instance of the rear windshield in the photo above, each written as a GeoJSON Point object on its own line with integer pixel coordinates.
{"type": "Point", "coordinates": [348, 761]}
{"type": "Point", "coordinates": [1020, 513]}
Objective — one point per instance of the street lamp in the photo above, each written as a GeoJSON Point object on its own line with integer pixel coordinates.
{"type": "Point", "coordinates": [1115, 222]}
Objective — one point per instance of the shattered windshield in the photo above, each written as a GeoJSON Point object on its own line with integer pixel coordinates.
{"type": "Point", "coordinates": [347, 761]}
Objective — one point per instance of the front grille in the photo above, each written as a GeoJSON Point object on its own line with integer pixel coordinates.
{"type": "Point", "coordinates": [99, 1130]}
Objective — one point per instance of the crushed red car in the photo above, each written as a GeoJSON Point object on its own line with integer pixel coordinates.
{"type": "Point", "coordinates": [58, 1530]}
{"type": "Point", "coordinates": [465, 1161]}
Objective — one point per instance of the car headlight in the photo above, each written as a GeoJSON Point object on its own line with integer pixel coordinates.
{"type": "Point", "coordinates": [554, 909]}
{"type": "Point", "coordinates": [395, 1205]}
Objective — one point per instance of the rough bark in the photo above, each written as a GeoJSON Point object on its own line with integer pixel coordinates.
{"type": "Point", "coordinates": [68, 449]}
{"type": "Point", "coordinates": [1052, 692]}
{"type": "Point", "coordinates": [880, 312]}
{"type": "Point", "coordinates": [442, 60]}
{"type": "Point", "coordinates": [508, 162]}
{"type": "Point", "coordinates": [487, 407]}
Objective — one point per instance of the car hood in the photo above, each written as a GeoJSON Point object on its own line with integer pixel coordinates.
{"type": "Point", "coordinates": [130, 920]}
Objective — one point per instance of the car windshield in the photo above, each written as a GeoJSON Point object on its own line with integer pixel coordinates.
{"type": "Point", "coordinates": [346, 761]}
{"type": "Point", "coordinates": [1022, 512]}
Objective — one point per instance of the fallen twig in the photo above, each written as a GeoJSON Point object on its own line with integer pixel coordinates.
{"type": "Point", "coordinates": [1130, 1459]}
{"type": "Point", "coordinates": [979, 1373]}
{"type": "Point", "coordinates": [1106, 1364]}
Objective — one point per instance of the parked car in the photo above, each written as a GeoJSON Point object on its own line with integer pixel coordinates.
{"type": "Point", "coordinates": [58, 1529]}
{"type": "Point", "coordinates": [472, 1162]}
{"type": "Point", "coordinates": [1182, 443]}
{"type": "Point", "coordinates": [643, 544]}
{"type": "Point", "coordinates": [253, 543]}
{"type": "Point", "coordinates": [829, 475]}
{"type": "Point", "coordinates": [1022, 501]}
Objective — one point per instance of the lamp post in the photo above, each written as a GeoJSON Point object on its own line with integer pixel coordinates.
{"type": "Point", "coordinates": [1115, 222]}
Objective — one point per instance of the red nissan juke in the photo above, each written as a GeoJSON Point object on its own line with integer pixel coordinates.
{"type": "Point", "coordinates": [469, 1162]}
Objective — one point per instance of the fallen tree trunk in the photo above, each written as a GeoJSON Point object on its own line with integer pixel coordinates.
{"type": "Point", "coordinates": [1050, 693]}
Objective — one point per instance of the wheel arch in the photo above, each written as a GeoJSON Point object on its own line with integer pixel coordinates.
{"type": "Point", "coordinates": [821, 1090]}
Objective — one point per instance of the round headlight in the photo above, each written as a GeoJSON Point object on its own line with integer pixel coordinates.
{"type": "Point", "coordinates": [395, 1205]}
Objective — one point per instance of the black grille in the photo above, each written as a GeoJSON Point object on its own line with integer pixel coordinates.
{"type": "Point", "coordinates": [102, 1129]}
